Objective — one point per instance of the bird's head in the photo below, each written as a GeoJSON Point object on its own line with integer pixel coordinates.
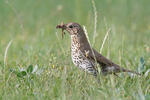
{"type": "Point", "coordinates": [71, 28]}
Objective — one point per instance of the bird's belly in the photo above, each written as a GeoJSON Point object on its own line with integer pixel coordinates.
{"type": "Point", "coordinates": [82, 62]}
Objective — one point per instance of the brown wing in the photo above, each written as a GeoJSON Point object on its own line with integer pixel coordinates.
{"type": "Point", "coordinates": [106, 64]}
{"type": "Point", "coordinates": [103, 61]}
{"type": "Point", "coordinates": [94, 55]}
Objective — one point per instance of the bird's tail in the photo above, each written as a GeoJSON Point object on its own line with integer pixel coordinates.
{"type": "Point", "coordinates": [116, 69]}
{"type": "Point", "coordinates": [130, 71]}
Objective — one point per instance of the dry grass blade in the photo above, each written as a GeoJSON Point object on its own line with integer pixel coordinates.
{"type": "Point", "coordinates": [85, 30]}
{"type": "Point", "coordinates": [5, 56]}
{"type": "Point", "coordinates": [95, 21]}
{"type": "Point", "coordinates": [6, 51]}
{"type": "Point", "coordinates": [104, 40]}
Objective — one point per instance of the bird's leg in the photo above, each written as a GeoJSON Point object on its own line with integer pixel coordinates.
{"type": "Point", "coordinates": [116, 75]}
{"type": "Point", "coordinates": [97, 78]}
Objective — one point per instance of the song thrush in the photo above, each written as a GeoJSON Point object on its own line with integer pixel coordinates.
{"type": "Point", "coordinates": [85, 57]}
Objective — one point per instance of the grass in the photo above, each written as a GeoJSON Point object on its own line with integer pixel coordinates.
{"type": "Point", "coordinates": [31, 25]}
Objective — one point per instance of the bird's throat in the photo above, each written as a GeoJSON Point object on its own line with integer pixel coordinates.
{"type": "Point", "coordinates": [75, 45]}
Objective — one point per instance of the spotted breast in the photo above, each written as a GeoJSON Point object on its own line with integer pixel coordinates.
{"type": "Point", "coordinates": [79, 58]}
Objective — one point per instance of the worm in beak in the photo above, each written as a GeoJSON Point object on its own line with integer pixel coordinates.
{"type": "Point", "coordinates": [63, 27]}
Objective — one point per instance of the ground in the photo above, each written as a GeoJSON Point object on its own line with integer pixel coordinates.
{"type": "Point", "coordinates": [37, 63]}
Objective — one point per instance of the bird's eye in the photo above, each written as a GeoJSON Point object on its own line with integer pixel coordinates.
{"type": "Point", "coordinates": [70, 26]}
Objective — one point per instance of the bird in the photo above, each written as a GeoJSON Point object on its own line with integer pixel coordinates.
{"type": "Point", "coordinates": [84, 56]}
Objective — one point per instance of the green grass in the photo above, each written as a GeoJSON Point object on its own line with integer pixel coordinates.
{"type": "Point", "coordinates": [31, 24]}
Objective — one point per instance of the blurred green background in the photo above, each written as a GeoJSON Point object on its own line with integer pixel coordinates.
{"type": "Point", "coordinates": [31, 24]}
